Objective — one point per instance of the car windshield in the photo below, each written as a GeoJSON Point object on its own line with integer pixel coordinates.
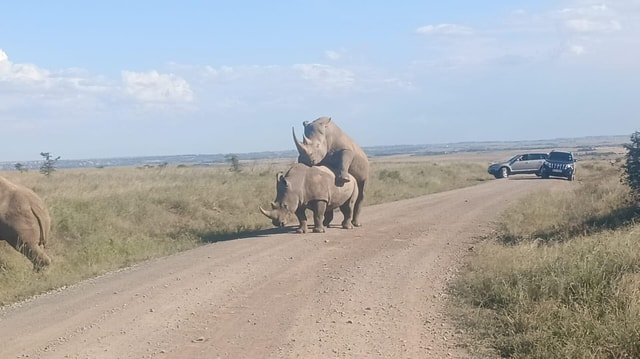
{"type": "Point", "coordinates": [560, 156]}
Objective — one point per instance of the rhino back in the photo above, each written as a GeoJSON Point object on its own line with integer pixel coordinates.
{"type": "Point", "coordinates": [320, 186]}
{"type": "Point", "coordinates": [337, 141]}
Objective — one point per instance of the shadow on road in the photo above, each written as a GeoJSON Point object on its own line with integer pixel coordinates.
{"type": "Point", "coordinates": [535, 178]}
{"type": "Point", "coordinates": [213, 237]}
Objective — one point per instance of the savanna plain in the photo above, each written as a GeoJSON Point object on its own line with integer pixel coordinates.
{"type": "Point", "coordinates": [551, 274]}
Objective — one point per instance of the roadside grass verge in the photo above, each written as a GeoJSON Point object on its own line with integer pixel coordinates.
{"type": "Point", "coordinates": [562, 278]}
{"type": "Point", "coordinates": [110, 218]}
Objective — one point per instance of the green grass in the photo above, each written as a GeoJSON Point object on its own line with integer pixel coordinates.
{"type": "Point", "coordinates": [109, 218]}
{"type": "Point", "coordinates": [391, 181]}
{"type": "Point", "coordinates": [562, 280]}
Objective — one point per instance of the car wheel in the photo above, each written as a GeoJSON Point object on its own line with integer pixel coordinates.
{"type": "Point", "coordinates": [504, 172]}
{"type": "Point", "coordinates": [571, 178]}
{"type": "Point", "coordinates": [545, 176]}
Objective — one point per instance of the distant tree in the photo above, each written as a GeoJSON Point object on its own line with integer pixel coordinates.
{"type": "Point", "coordinates": [20, 167]}
{"type": "Point", "coordinates": [49, 164]}
{"type": "Point", "coordinates": [234, 161]}
{"type": "Point", "coordinates": [631, 175]}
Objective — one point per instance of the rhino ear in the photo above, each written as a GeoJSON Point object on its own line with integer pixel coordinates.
{"type": "Point", "coordinates": [305, 123]}
{"type": "Point", "coordinates": [328, 121]}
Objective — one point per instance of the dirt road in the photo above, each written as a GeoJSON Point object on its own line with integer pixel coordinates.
{"type": "Point", "coordinates": [375, 291]}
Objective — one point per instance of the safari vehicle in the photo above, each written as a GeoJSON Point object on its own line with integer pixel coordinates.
{"type": "Point", "coordinates": [559, 164]}
{"type": "Point", "coordinates": [527, 163]}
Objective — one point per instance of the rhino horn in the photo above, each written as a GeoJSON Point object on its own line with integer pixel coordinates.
{"type": "Point", "coordinates": [306, 139]}
{"type": "Point", "coordinates": [265, 213]}
{"type": "Point", "coordinates": [299, 145]}
{"type": "Point", "coordinates": [274, 205]}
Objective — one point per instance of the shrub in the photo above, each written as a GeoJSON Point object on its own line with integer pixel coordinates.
{"type": "Point", "coordinates": [49, 164]}
{"type": "Point", "coordinates": [631, 166]}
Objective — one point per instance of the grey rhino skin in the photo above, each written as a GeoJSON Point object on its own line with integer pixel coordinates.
{"type": "Point", "coordinates": [304, 187]}
{"type": "Point", "coordinates": [24, 222]}
{"type": "Point", "coordinates": [324, 143]}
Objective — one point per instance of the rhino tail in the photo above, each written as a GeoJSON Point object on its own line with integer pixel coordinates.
{"type": "Point", "coordinates": [44, 227]}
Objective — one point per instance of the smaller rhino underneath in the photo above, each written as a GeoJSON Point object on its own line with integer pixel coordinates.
{"type": "Point", "coordinates": [304, 187]}
{"type": "Point", "coordinates": [24, 222]}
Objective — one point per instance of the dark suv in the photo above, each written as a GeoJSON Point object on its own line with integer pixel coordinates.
{"type": "Point", "coordinates": [559, 164]}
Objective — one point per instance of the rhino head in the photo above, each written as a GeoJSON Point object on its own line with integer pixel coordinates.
{"type": "Point", "coordinates": [314, 145]}
{"type": "Point", "coordinates": [281, 212]}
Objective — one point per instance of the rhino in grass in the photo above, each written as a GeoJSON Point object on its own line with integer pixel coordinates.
{"type": "Point", "coordinates": [324, 143]}
{"type": "Point", "coordinates": [311, 187]}
{"type": "Point", "coordinates": [24, 222]}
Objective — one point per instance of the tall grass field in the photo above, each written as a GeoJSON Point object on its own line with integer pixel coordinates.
{"type": "Point", "coordinates": [562, 277]}
{"type": "Point", "coordinates": [110, 218]}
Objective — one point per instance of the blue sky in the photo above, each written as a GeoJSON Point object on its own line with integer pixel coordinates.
{"type": "Point", "coordinates": [132, 78]}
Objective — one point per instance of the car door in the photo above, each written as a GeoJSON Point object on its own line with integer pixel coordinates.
{"type": "Point", "coordinates": [537, 159]}
{"type": "Point", "coordinates": [520, 164]}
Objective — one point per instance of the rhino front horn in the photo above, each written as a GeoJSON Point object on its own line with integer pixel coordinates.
{"type": "Point", "coordinates": [265, 213]}
{"type": "Point", "coordinates": [299, 145]}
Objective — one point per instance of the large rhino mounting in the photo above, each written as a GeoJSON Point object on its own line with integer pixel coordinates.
{"type": "Point", "coordinates": [24, 222]}
{"type": "Point", "coordinates": [304, 187]}
{"type": "Point", "coordinates": [324, 143]}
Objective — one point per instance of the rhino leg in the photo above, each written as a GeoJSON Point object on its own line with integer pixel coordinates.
{"type": "Point", "coordinates": [319, 208]}
{"type": "Point", "coordinates": [302, 218]}
{"type": "Point", "coordinates": [357, 206]}
{"type": "Point", "coordinates": [344, 162]}
{"type": "Point", "coordinates": [328, 217]}
{"type": "Point", "coordinates": [27, 242]}
{"type": "Point", "coordinates": [347, 211]}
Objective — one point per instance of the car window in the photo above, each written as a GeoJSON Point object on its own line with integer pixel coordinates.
{"type": "Point", "coordinates": [561, 156]}
{"type": "Point", "coordinates": [524, 158]}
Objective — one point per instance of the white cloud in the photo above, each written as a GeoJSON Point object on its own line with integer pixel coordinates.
{"type": "Point", "coordinates": [598, 18]}
{"type": "Point", "coordinates": [587, 25]}
{"type": "Point", "coordinates": [156, 88]}
{"type": "Point", "coordinates": [444, 29]}
{"type": "Point", "coordinates": [11, 72]}
{"type": "Point", "coordinates": [325, 76]}
{"type": "Point", "coordinates": [332, 55]}
{"type": "Point", "coordinates": [577, 50]}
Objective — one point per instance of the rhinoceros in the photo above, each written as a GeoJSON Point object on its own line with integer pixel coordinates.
{"type": "Point", "coordinates": [311, 187]}
{"type": "Point", "coordinates": [324, 143]}
{"type": "Point", "coordinates": [24, 222]}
